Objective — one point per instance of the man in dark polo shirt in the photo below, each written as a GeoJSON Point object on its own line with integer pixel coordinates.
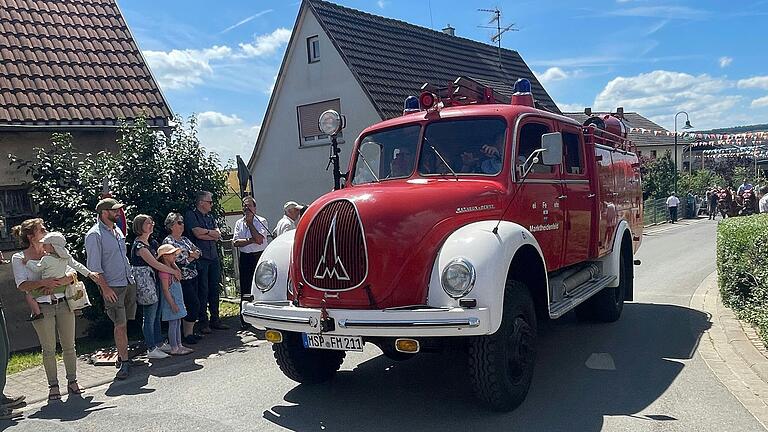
{"type": "Point", "coordinates": [202, 230]}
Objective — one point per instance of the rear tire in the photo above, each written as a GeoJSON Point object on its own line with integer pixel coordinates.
{"type": "Point", "coordinates": [303, 365]}
{"type": "Point", "coordinates": [501, 365]}
{"type": "Point", "coordinates": [607, 305]}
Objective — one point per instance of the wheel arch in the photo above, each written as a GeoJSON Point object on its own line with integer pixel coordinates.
{"type": "Point", "coordinates": [527, 266]}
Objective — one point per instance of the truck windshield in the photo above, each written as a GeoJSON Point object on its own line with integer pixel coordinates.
{"type": "Point", "coordinates": [386, 155]}
{"type": "Point", "coordinates": [473, 146]}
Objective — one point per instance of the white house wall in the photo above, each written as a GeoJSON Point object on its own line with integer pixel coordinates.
{"type": "Point", "coordinates": [281, 170]}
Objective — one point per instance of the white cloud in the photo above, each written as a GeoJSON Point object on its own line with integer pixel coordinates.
{"type": "Point", "coordinates": [246, 20]}
{"type": "Point", "coordinates": [658, 95]}
{"type": "Point", "coordinates": [229, 141]}
{"type": "Point", "coordinates": [725, 61]}
{"type": "Point", "coordinates": [213, 119]}
{"type": "Point", "coordinates": [672, 12]}
{"type": "Point", "coordinates": [760, 102]}
{"type": "Point", "coordinates": [571, 107]}
{"type": "Point", "coordinates": [178, 69]}
{"type": "Point", "coordinates": [382, 4]}
{"type": "Point", "coordinates": [553, 74]}
{"type": "Point", "coordinates": [759, 82]}
{"type": "Point", "coordinates": [266, 44]}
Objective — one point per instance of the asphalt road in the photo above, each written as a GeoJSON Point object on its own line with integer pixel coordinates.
{"type": "Point", "coordinates": [641, 373]}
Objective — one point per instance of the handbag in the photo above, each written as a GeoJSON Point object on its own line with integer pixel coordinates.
{"type": "Point", "coordinates": [77, 296]}
{"type": "Point", "coordinates": [146, 287]}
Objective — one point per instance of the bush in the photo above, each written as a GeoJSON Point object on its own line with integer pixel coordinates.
{"type": "Point", "coordinates": [152, 173]}
{"type": "Point", "coordinates": [742, 266]}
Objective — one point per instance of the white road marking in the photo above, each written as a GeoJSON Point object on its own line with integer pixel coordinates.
{"type": "Point", "coordinates": [600, 361]}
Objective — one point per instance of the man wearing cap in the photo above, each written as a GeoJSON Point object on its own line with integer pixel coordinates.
{"type": "Point", "coordinates": [251, 239]}
{"type": "Point", "coordinates": [292, 210]}
{"type": "Point", "coordinates": [106, 254]}
{"type": "Point", "coordinates": [201, 228]}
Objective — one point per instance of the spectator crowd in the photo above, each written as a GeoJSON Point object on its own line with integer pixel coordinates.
{"type": "Point", "coordinates": [176, 280]}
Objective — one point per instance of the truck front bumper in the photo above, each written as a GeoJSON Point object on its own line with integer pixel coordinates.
{"type": "Point", "coordinates": [423, 322]}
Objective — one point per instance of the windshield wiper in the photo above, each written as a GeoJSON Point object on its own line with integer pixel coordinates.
{"type": "Point", "coordinates": [441, 158]}
{"type": "Point", "coordinates": [365, 161]}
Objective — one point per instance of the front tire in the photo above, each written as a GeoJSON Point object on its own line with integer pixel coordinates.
{"type": "Point", "coordinates": [501, 365]}
{"type": "Point", "coordinates": [303, 365]}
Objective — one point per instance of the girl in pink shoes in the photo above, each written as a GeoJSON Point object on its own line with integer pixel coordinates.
{"type": "Point", "coordinates": [173, 309]}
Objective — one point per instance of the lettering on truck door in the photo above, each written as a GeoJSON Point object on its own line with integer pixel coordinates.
{"type": "Point", "coordinates": [580, 198]}
{"type": "Point", "coordinates": [540, 206]}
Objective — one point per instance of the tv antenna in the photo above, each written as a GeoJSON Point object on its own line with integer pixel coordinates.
{"type": "Point", "coordinates": [496, 18]}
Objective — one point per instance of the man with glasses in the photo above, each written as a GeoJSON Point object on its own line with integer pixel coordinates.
{"type": "Point", "coordinates": [106, 253]}
{"type": "Point", "coordinates": [250, 239]}
{"type": "Point", "coordinates": [201, 228]}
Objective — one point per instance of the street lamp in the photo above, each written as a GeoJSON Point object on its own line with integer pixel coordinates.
{"type": "Point", "coordinates": [687, 126]}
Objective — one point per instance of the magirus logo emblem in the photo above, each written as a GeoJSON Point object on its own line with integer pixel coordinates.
{"type": "Point", "coordinates": [336, 268]}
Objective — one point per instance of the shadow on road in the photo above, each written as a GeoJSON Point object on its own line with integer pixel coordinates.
{"type": "Point", "coordinates": [638, 358]}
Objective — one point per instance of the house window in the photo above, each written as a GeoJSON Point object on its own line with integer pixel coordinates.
{"type": "Point", "coordinates": [653, 154]}
{"type": "Point", "coordinates": [308, 115]}
{"type": "Point", "coordinates": [15, 206]}
{"type": "Point", "coordinates": [313, 49]}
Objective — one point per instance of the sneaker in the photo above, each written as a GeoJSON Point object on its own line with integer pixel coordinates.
{"type": "Point", "coordinates": [180, 351]}
{"type": "Point", "coordinates": [190, 340]}
{"type": "Point", "coordinates": [157, 353]}
{"type": "Point", "coordinates": [124, 371]}
{"type": "Point", "coordinates": [187, 350]}
{"type": "Point", "coordinates": [165, 348]}
{"type": "Point", "coordinates": [218, 325]}
{"type": "Point", "coordinates": [12, 402]}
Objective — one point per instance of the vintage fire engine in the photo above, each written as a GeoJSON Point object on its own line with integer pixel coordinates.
{"type": "Point", "coordinates": [461, 222]}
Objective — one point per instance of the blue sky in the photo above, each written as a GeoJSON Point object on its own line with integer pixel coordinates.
{"type": "Point", "coordinates": [219, 60]}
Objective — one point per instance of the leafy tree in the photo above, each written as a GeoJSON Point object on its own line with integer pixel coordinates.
{"type": "Point", "coordinates": [658, 176]}
{"type": "Point", "coordinates": [699, 181]}
{"type": "Point", "coordinates": [152, 173]}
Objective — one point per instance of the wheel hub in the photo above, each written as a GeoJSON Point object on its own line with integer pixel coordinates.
{"type": "Point", "coordinates": [520, 350]}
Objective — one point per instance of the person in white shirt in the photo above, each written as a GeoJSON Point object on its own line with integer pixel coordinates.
{"type": "Point", "coordinates": [763, 203]}
{"type": "Point", "coordinates": [672, 203]}
{"type": "Point", "coordinates": [250, 238]}
{"type": "Point", "coordinates": [292, 211]}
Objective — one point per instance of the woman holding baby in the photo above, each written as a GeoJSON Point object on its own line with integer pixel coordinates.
{"type": "Point", "coordinates": [33, 275]}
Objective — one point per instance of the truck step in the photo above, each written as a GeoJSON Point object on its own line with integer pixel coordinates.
{"type": "Point", "coordinates": [579, 295]}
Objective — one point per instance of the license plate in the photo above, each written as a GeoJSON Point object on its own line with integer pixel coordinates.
{"type": "Point", "coordinates": [333, 342]}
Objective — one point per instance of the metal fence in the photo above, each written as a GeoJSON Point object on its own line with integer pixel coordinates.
{"type": "Point", "coordinates": [656, 211]}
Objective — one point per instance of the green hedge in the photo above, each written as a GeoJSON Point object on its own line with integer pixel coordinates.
{"type": "Point", "coordinates": [742, 267]}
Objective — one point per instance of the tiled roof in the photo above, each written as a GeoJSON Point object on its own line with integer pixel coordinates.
{"type": "Point", "coordinates": [392, 59]}
{"type": "Point", "coordinates": [635, 120]}
{"type": "Point", "coordinates": [72, 62]}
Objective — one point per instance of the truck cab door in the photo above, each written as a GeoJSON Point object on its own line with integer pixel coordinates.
{"type": "Point", "coordinates": [538, 205]}
{"type": "Point", "coordinates": [579, 204]}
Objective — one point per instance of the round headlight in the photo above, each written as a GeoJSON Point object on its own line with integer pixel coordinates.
{"type": "Point", "coordinates": [329, 122]}
{"type": "Point", "coordinates": [458, 278]}
{"type": "Point", "coordinates": [265, 276]}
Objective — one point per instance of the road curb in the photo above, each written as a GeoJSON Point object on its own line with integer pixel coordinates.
{"type": "Point", "coordinates": [730, 353]}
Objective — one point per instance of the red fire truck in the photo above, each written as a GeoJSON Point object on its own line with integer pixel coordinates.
{"type": "Point", "coordinates": [461, 222]}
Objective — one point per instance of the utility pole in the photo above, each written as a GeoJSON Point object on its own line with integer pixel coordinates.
{"type": "Point", "coordinates": [496, 18]}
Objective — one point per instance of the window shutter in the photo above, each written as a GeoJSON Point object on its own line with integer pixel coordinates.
{"type": "Point", "coordinates": [310, 114]}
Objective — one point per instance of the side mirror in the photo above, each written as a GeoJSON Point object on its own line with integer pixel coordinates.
{"type": "Point", "coordinates": [552, 144]}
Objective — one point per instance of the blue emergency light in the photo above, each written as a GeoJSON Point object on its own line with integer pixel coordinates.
{"type": "Point", "coordinates": [411, 103]}
{"type": "Point", "coordinates": [522, 85]}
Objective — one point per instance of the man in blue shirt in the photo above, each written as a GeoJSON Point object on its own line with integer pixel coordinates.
{"type": "Point", "coordinates": [106, 254]}
{"type": "Point", "coordinates": [745, 186]}
{"type": "Point", "coordinates": [202, 230]}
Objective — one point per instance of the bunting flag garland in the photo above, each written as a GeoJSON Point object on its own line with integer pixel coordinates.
{"type": "Point", "coordinates": [747, 144]}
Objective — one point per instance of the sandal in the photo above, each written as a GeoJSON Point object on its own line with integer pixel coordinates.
{"type": "Point", "coordinates": [53, 392]}
{"type": "Point", "coordinates": [74, 388]}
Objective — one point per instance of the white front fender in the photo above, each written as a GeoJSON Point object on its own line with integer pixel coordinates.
{"type": "Point", "coordinates": [279, 251]}
{"type": "Point", "coordinates": [491, 254]}
{"type": "Point", "coordinates": [611, 261]}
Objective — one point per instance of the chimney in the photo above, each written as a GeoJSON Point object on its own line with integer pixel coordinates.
{"type": "Point", "coordinates": [449, 30]}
